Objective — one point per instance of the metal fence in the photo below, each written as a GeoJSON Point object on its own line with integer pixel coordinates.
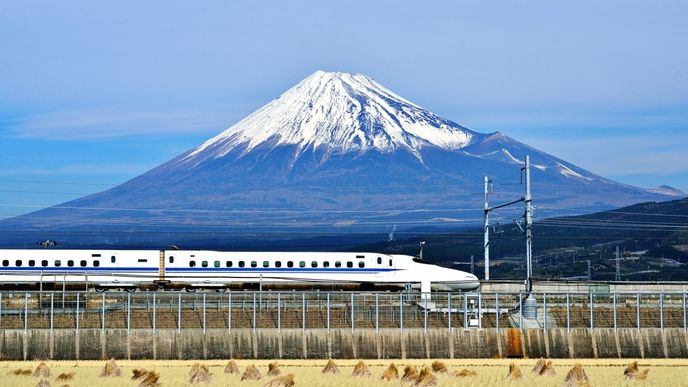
{"type": "Point", "coordinates": [335, 310]}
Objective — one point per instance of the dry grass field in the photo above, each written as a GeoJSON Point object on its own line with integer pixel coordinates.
{"type": "Point", "coordinates": [489, 372]}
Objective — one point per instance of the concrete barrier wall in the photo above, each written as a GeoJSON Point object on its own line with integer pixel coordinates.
{"type": "Point", "coordinates": [95, 344]}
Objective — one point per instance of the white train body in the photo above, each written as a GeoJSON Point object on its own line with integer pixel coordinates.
{"type": "Point", "coordinates": [129, 269]}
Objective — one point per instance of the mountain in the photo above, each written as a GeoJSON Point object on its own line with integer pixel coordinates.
{"type": "Point", "coordinates": [337, 152]}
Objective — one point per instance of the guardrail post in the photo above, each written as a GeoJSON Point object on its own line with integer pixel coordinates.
{"type": "Point", "coordinates": [425, 313]}
{"type": "Point", "coordinates": [614, 306]}
{"type": "Point", "coordinates": [26, 313]}
{"type": "Point", "coordinates": [279, 312]}
{"type": "Point", "coordinates": [51, 293]}
{"type": "Point", "coordinates": [520, 310]}
{"type": "Point", "coordinates": [497, 311]}
{"type": "Point", "coordinates": [102, 317]}
{"type": "Point", "coordinates": [254, 313]}
{"type": "Point", "coordinates": [377, 312]}
{"type": "Point", "coordinates": [77, 312]}
{"type": "Point", "coordinates": [154, 316]}
{"type": "Point", "coordinates": [544, 313]}
{"type": "Point", "coordinates": [128, 312]}
{"type": "Point", "coordinates": [449, 311]}
{"type": "Point", "coordinates": [401, 311]}
{"type": "Point", "coordinates": [352, 313]}
{"type": "Point", "coordinates": [568, 312]}
{"type": "Point", "coordinates": [52, 309]}
{"type": "Point", "coordinates": [661, 311]}
{"type": "Point", "coordinates": [254, 310]}
{"type": "Point", "coordinates": [480, 311]}
{"type": "Point", "coordinates": [179, 313]}
{"type": "Point", "coordinates": [303, 312]}
{"type": "Point", "coordinates": [465, 311]}
{"type": "Point", "coordinates": [328, 312]}
{"type": "Point", "coordinates": [637, 311]}
{"type": "Point", "coordinates": [592, 315]}
{"type": "Point", "coordinates": [685, 325]}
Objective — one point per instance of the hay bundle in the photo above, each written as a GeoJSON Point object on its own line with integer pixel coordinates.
{"type": "Point", "coordinates": [65, 376]}
{"type": "Point", "coordinates": [150, 380]}
{"type": "Point", "coordinates": [464, 373]}
{"type": "Point", "coordinates": [199, 373]}
{"type": "Point", "coordinates": [65, 385]}
{"type": "Point", "coordinates": [251, 373]}
{"type": "Point", "coordinates": [281, 381]}
{"type": "Point", "coordinates": [273, 369]}
{"type": "Point", "coordinates": [576, 377]}
{"type": "Point", "coordinates": [544, 368]}
{"type": "Point", "coordinates": [42, 371]}
{"type": "Point", "coordinates": [410, 374]}
{"type": "Point", "coordinates": [232, 368]}
{"type": "Point", "coordinates": [139, 373]}
{"type": "Point", "coordinates": [439, 367]}
{"type": "Point", "coordinates": [633, 373]}
{"type": "Point", "coordinates": [361, 369]}
{"type": "Point", "coordinates": [20, 372]}
{"type": "Point", "coordinates": [43, 383]}
{"type": "Point", "coordinates": [110, 369]}
{"type": "Point", "coordinates": [330, 368]}
{"type": "Point", "coordinates": [426, 378]}
{"type": "Point", "coordinates": [514, 372]}
{"type": "Point", "coordinates": [391, 373]}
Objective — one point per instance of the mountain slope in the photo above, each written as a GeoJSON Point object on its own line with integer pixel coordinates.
{"type": "Point", "coordinates": [336, 152]}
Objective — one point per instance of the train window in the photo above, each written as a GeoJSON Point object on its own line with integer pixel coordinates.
{"type": "Point", "coordinates": [254, 264]}
{"type": "Point", "coordinates": [266, 264]}
{"type": "Point", "coordinates": [96, 263]}
{"type": "Point", "coordinates": [360, 256]}
{"type": "Point", "coordinates": [338, 264]}
{"type": "Point", "coordinates": [217, 264]}
{"type": "Point", "coordinates": [58, 263]}
{"type": "Point", "coordinates": [290, 264]}
{"type": "Point", "coordinates": [143, 260]}
{"type": "Point", "coordinates": [18, 263]}
{"type": "Point", "coordinates": [390, 262]}
{"type": "Point", "coordinates": [278, 263]}
{"type": "Point", "coordinates": [44, 263]}
{"type": "Point", "coordinates": [302, 263]}
{"type": "Point", "coordinates": [32, 263]}
{"type": "Point", "coordinates": [171, 259]}
{"type": "Point", "coordinates": [192, 263]}
{"type": "Point", "coordinates": [349, 264]}
{"type": "Point", "coordinates": [379, 261]}
{"type": "Point", "coordinates": [242, 263]}
{"type": "Point", "coordinates": [361, 264]}
{"type": "Point", "coordinates": [228, 264]}
{"type": "Point", "coordinates": [70, 263]}
{"type": "Point", "coordinates": [95, 255]}
{"type": "Point", "coordinates": [204, 263]}
{"type": "Point", "coordinates": [326, 264]}
{"type": "Point", "coordinates": [83, 263]}
{"type": "Point", "coordinates": [5, 262]}
{"type": "Point", "coordinates": [113, 259]}
{"type": "Point", "coordinates": [314, 263]}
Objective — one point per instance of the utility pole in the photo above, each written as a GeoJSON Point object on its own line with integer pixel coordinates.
{"type": "Point", "coordinates": [486, 229]}
{"type": "Point", "coordinates": [472, 264]}
{"type": "Point", "coordinates": [618, 265]}
{"type": "Point", "coordinates": [529, 229]}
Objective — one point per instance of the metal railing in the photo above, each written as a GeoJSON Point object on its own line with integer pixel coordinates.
{"type": "Point", "coordinates": [335, 310]}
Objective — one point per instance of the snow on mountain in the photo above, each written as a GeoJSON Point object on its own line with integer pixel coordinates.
{"type": "Point", "coordinates": [667, 190]}
{"type": "Point", "coordinates": [338, 112]}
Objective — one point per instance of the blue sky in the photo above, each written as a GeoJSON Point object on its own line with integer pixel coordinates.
{"type": "Point", "coordinates": [95, 93]}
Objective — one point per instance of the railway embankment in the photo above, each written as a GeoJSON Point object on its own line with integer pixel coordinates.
{"type": "Point", "coordinates": [88, 344]}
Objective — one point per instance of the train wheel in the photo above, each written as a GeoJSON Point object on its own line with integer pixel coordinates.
{"type": "Point", "coordinates": [190, 290]}
{"type": "Point", "coordinates": [130, 290]}
{"type": "Point", "coordinates": [101, 290]}
{"type": "Point", "coordinates": [221, 290]}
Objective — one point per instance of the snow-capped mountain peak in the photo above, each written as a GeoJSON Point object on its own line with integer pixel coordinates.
{"type": "Point", "coordinates": [338, 112]}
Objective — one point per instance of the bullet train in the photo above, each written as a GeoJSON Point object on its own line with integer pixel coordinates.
{"type": "Point", "coordinates": [205, 269]}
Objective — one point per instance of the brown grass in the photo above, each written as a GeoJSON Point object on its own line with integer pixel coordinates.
{"type": "Point", "coordinates": [410, 373]}
{"type": "Point", "coordinates": [439, 367]}
{"type": "Point", "coordinates": [110, 369]}
{"type": "Point", "coordinates": [232, 368]}
{"type": "Point", "coordinates": [42, 371]}
{"type": "Point", "coordinates": [426, 378]}
{"type": "Point", "coordinates": [576, 377]}
{"type": "Point", "coordinates": [514, 373]}
{"type": "Point", "coordinates": [199, 374]}
{"type": "Point", "coordinates": [281, 381]}
{"type": "Point", "coordinates": [391, 373]}
{"type": "Point", "coordinates": [464, 373]}
{"type": "Point", "coordinates": [20, 372]}
{"type": "Point", "coordinates": [251, 373]}
{"type": "Point", "coordinates": [544, 368]}
{"type": "Point", "coordinates": [273, 369]}
{"type": "Point", "coordinates": [361, 369]}
{"type": "Point", "coordinates": [330, 368]}
{"type": "Point", "coordinates": [63, 377]}
{"type": "Point", "coordinates": [43, 383]}
{"type": "Point", "coordinates": [633, 373]}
